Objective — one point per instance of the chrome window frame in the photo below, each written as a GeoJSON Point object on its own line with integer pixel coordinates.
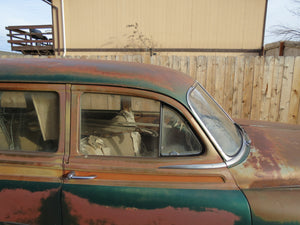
{"type": "Point", "coordinates": [229, 160]}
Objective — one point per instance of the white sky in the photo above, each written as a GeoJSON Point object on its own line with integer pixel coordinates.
{"type": "Point", "coordinates": [37, 12]}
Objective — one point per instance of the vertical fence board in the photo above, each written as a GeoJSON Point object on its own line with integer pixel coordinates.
{"type": "Point", "coordinates": [266, 88]}
{"type": "Point", "coordinates": [153, 60]}
{"type": "Point", "coordinates": [193, 67]}
{"type": "Point", "coordinates": [137, 59]}
{"type": "Point", "coordinates": [176, 63]}
{"type": "Point", "coordinates": [295, 94]}
{"type": "Point", "coordinates": [165, 61]}
{"type": "Point", "coordinates": [219, 80]}
{"type": "Point", "coordinates": [201, 70]}
{"type": "Point", "coordinates": [257, 86]}
{"type": "Point", "coordinates": [276, 89]}
{"type": "Point", "coordinates": [286, 91]}
{"type": "Point", "coordinates": [228, 84]}
{"type": "Point", "coordinates": [184, 64]}
{"type": "Point", "coordinates": [211, 74]}
{"type": "Point", "coordinates": [247, 87]}
{"type": "Point", "coordinates": [125, 58]}
{"type": "Point", "coordinates": [238, 87]}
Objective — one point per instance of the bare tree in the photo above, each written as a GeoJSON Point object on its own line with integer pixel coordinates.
{"type": "Point", "coordinates": [286, 32]}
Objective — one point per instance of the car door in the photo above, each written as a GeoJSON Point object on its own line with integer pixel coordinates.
{"type": "Point", "coordinates": [138, 157]}
{"type": "Point", "coordinates": [32, 128]}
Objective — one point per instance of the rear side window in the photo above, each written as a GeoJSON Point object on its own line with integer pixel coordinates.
{"type": "Point", "coordinates": [117, 125]}
{"type": "Point", "coordinates": [29, 121]}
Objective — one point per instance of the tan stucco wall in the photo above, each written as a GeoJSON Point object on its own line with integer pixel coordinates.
{"type": "Point", "coordinates": [209, 24]}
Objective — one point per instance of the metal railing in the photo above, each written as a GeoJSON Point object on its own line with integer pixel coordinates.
{"type": "Point", "coordinates": [32, 40]}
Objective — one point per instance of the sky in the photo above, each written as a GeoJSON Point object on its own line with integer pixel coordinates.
{"type": "Point", "coordinates": [37, 12]}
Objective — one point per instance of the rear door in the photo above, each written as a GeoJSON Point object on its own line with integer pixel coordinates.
{"type": "Point", "coordinates": [32, 127]}
{"type": "Point", "coordinates": [138, 157]}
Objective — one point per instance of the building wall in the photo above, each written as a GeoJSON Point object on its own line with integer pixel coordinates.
{"type": "Point", "coordinates": [96, 25]}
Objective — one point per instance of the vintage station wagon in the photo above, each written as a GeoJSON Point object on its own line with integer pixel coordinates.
{"type": "Point", "coordinates": [94, 142]}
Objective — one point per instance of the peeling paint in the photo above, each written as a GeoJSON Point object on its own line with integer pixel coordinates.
{"type": "Point", "coordinates": [270, 176]}
{"type": "Point", "coordinates": [98, 214]}
{"type": "Point", "coordinates": [131, 205]}
{"type": "Point", "coordinates": [274, 157]}
{"type": "Point", "coordinates": [24, 206]}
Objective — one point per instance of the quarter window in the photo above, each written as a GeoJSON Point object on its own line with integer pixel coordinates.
{"type": "Point", "coordinates": [29, 121]}
{"type": "Point", "coordinates": [117, 125]}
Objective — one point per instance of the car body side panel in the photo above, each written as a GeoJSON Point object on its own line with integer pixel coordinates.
{"type": "Point", "coordinates": [274, 156]}
{"type": "Point", "coordinates": [270, 176]}
{"type": "Point", "coordinates": [30, 181]}
{"type": "Point", "coordinates": [274, 206]}
{"type": "Point", "coordinates": [139, 190]}
{"type": "Point", "coordinates": [31, 203]}
{"type": "Point", "coordinates": [136, 205]}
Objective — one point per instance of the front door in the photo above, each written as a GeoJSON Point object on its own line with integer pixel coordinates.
{"type": "Point", "coordinates": [31, 147]}
{"type": "Point", "coordinates": [135, 159]}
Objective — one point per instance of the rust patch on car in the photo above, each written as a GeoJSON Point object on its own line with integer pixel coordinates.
{"type": "Point", "coordinates": [274, 157]}
{"type": "Point", "coordinates": [23, 206]}
{"type": "Point", "coordinates": [98, 214]}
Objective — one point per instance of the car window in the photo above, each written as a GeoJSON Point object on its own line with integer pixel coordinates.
{"type": "Point", "coordinates": [177, 136]}
{"type": "Point", "coordinates": [117, 125]}
{"type": "Point", "coordinates": [29, 121]}
{"type": "Point", "coordinates": [215, 120]}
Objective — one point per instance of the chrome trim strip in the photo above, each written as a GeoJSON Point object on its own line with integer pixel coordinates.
{"type": "Point", "coordinates": [244, 151]}
{"type": "Point", "coordinates": [241, 156]}
{"type": "Point", "coordinates": [195, 166]}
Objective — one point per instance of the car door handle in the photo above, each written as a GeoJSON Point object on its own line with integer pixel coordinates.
{"type": "Point", "coordinates": [72, 175]}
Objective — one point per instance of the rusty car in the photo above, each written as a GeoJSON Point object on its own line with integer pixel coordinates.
{"type": "Point", "coordinates": [105, 142]}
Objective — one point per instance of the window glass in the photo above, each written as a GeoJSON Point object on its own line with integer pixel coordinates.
{"type": "Point", "coordinates": [218, 124]}
{"type": "Point", "coordinates": [29, 121]}
{"type": "Point", "coordinates": [177, 137]}
{"type": "Point", "coordinates": [115, 125]}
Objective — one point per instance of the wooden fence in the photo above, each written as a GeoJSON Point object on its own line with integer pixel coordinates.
{"type": "Point", "coordinates": [258, 88]}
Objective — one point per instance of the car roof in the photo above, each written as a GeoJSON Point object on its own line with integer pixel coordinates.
{"type": "Point", "coordinates": [84, 71]}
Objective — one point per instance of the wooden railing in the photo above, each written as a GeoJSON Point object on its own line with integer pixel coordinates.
{"type": "Point", "coordinates": [32, 40]}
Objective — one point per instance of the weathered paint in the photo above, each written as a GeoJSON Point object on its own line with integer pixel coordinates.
{"type": "Point", "coordinates": [274, 206]}
{"type": "Point", "coordinates": [30, 202]}
{"type": "Point", "coordinates": [142, 76]}
{"type": "Point", "coordinates": [270, 176]}
{"type": "Point", "coordinates": [274, 157]}
{"type": "Point", "coordinates": [136, 188]}
{"type": "Point", "coordinates": [30, 181]}
{"type": "Point", "coordinates": [131, 205]}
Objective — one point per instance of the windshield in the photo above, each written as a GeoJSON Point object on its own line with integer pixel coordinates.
{"type": "Point", "coordinates": [215, 121]}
